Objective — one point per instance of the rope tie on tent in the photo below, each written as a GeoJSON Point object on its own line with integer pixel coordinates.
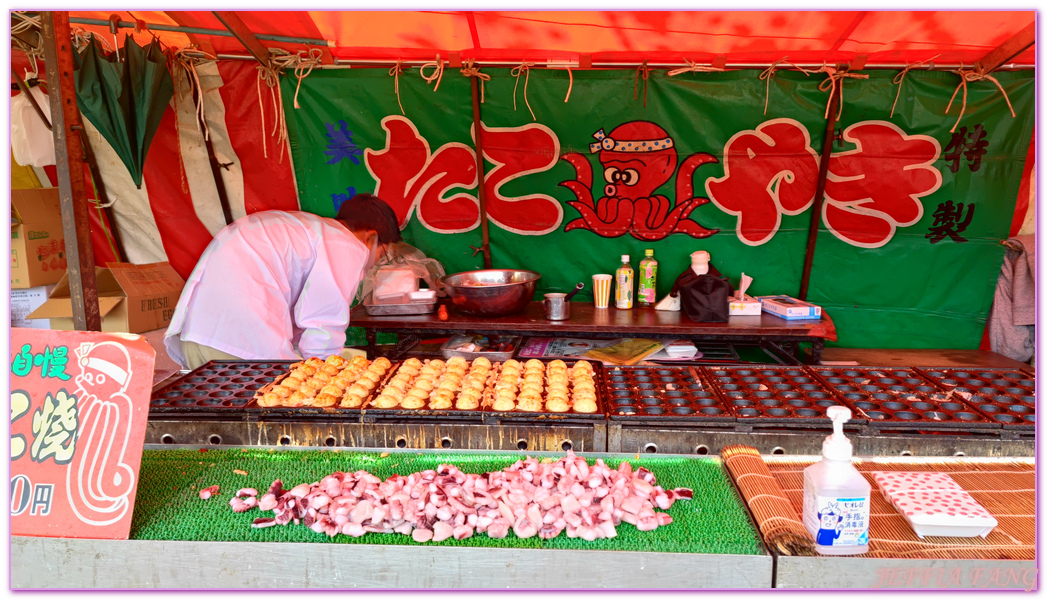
{"type": "Point", "coordinates": [395, 72]}
{"type": "Point", "coordinates": [693, 67]}
{"type": "Point", "coordinates": [438, 73]}
{"type": "Point", "coordinates": [835, 76]}
{"type": "Point", "coordinates": [471, 70]}
{"type": "Point", "coordinates": [768, 73]}
{"type": "Point", "coordinates": [570, 85]}
{"type": "Point", "coordinates": [900, 77]}
{"type": "Point", "coordinates": [646, 72]}
{"type": "Point", "coordinates": [525, 70]}
{"type": "Point", "coordinates": [303, 66]}
{"type": "Point", "coordinates": [271, 77]}
{"type": "Point", "coordinates": [184, 63]}
{"type": "Point", "coordinates": [973, 75]}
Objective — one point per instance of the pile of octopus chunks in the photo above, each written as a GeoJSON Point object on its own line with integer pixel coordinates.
{"type": "Point", "coordinates": [531, 498]}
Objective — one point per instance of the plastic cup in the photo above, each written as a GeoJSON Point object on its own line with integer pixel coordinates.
{"type": "Point", "coordinates": [602, 290]}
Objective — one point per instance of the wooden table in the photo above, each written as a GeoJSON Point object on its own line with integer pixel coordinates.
{"type": "Point", "coordinates": [588, 321]}
{"type": "Point", "coordinates": [947, 358]}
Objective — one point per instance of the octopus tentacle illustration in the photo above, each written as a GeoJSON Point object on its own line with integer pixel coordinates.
{"type": "Point", "coordinates": [637, 158]}
{"type": "Point", "coordinates": [99, 482]}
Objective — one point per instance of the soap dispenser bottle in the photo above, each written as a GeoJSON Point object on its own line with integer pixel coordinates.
{"type": "Point", "coordinates": [836, 496]}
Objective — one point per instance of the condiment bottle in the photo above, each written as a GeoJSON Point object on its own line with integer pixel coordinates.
{"type": "Point", "coordinates": [836, 496]}
{"type": "Point", "coordinates": [623, 293]}
{"type": "Point", "coordinates": [645, 294]}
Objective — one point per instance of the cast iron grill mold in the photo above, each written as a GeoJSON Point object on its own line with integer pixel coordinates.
{"type": "Point", "coordinates": [217, 386]}
{"type": "Point", "coordinates": [774, 395]}
{"type": "Point", "coordinates": [900, 398]}
{"type": "Point", "coordinates": [1006, 396]}
{"type": "Point", "coordinates": [660, 394]}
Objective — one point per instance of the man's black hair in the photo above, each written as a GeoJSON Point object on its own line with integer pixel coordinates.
{"type": "Point", "coordinates": [363, 212]}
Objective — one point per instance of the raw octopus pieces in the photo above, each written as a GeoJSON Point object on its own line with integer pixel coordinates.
{"type": "Point", "coordinates": [528, 498]}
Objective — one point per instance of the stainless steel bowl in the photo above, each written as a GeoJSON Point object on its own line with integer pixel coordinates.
{"type": "Point", "coordinates": [491, 292]}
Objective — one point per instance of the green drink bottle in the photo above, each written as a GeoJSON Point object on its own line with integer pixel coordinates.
{"type": "Point", "coordinates": [646, 294]}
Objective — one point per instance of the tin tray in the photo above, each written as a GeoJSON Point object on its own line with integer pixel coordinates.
{"type": "Point", "coordinates": [1006, 396]}
{"type": "Point", "coordinates": [780, 395]}
{"type": "Point", "coordinates": [661, 395]}
{"type": "Point", "coordinates": [900, 398]}
{"type": "Point", "coordinates": [219, 386]}
{"type": "Point", "coordinates": [397, 305]}
{"type": "Point", "coordinates": [494, 357]}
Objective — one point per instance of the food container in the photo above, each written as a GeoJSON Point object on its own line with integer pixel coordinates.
{"type": "Point", "coordinates": [491, 292]}
{"type": "Point", "coordinates": [495, 348]}
{"type": "Point", "coordinates": [398, 305]}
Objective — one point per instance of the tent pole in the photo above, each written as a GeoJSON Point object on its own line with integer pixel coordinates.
{"type": "Point", "coordinates": [240, 31]}
{"type": "Point", "coordinates": [58, 55]}
{"type": "Point", "coordinates": [1017, 44]}
{"type": "Point", "coordinates": [201, 31]}
{"type": "Point", "coordinates": [481, 191]}
{"type": "Point", "coordinates": [819, 191]}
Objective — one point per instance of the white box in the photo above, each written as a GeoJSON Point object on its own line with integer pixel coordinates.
{"type": "Point", "coordinates": [789, 308]}
{"type": "Point", "coordinates": [26, 301]}
{"type": "Point", "coordinates": [747, 307]}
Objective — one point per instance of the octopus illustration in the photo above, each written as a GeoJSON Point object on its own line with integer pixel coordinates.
{"type": "Point", "coordinates": [637, 158]}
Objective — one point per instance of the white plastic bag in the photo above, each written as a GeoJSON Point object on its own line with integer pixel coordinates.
{"type": "Point", "coordinates": [31, 141]}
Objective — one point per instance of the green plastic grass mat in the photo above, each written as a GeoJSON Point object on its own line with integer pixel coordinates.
{"type": "Point", "coordinates": [168, 505]}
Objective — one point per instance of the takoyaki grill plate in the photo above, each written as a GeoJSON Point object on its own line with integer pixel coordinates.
{"type": "Point", "coordinates": [217, 387]}
{"type": "Point", "coordinates": [662, 395]}
{"type": "Point", "coordinates": [779, 395]}
{"type": "Point", "coordinates": [900, 398]}
{"type": "Point", "coordinates": [1006, 396]}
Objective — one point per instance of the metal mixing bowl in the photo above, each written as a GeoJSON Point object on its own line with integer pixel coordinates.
{"type": "Point", "coordinates": [493, 292]}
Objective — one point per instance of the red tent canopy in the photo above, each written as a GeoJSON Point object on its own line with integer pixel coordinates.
{"type": "Point", "coordinates": [885, 37]}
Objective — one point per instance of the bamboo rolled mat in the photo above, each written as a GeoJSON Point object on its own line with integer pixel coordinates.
{"type": "Point", "coordinates": [168, 506]}
{"type": "Point", "coordinates": [1006, 488]}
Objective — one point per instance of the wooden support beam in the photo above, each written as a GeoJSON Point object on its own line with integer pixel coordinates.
{"type": "Point", "coordinates": [819, 192]}
{"type": "Point", "coordinates": [67, 127]}
{"type": "Point", "coordinates": [235, 25]}
{"type": "Point", "coordinates": [481, 193]}
{"type": "Point", "coordinates": [1018, 43]}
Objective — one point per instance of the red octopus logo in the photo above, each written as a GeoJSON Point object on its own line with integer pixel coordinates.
{"type": "Point", "coordinates": [637, 158]}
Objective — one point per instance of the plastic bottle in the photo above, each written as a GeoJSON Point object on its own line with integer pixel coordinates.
{"type": "Point", "coordinates": [645, 293]}
{"type": "Point", "coordinates": [623, 293]}
{"type": "Point", "coordinates": [836, 496]}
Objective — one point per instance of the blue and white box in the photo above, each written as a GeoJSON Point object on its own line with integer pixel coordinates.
{"type": "Point", "coordinates": [789, 308]}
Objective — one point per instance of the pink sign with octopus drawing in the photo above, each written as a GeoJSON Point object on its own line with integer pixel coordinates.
{"type": "Point", "coordinates": [79, 404]}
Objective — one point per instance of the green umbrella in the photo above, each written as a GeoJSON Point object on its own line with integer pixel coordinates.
{"type": "Point", "coordinates": [125, 99]}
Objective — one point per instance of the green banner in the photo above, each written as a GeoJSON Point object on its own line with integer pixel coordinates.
{"type": "Point", "coordinates": [908, 247]}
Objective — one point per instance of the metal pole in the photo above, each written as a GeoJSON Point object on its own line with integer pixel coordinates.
{"type": "Point", "coordinates": [201, 31]}
{"type": "Point", "coordinates": [481, 191]}
{"type": "Point", "coordinates": [58, 54]}
{"type": "Point", "coordinates": [819, 192]}
{"type": "Point", "coordinates": [933, 66]}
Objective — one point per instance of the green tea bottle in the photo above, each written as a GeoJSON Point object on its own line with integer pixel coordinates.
{"type": "Point", "coordinates": [645, 295]}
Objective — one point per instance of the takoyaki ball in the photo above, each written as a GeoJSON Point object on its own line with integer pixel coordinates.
{"type": "Point", "coordinates": [424, 384]}
{"type": "Point", "coordinates": [558, 379]}
{"type": "Point", "coordinates": [268, 400]}
{"type": "Point", "coordinates": [314, 361]}
{"type": "Point", "coordinates": [413, 363]}
{"type": "Point", "coordinates": [512, 364]}
{"type": "Point", "coordinates": [455, 361]}
{"type": "Point", "coordinates": [312, 385]}
{"type": "Point", "coordinates": [397, 384]}
{"type": "Point", "coordinates": [371, 376]}
{"type": "Point", "coordinates": [330, 370]}
{"type": "Point", "coordinates": [296, 399]}
{"type": "Point", "coordinates": [441, 399]}
{"type": "Point", "coordinates": [557, 405]}
{"type": "Point", "coordinates": [557, 364]}
{"type": "Point", "coordinates": [324, 400]}
{"type": "Point", "coordinates": [481, 361]}
{"type": "Point", "coordinates": [534, 363]}
{"type": "Point", "coordinates": [529, 404]}
{"type": "Point", "coordinates": [385, 401]}
{"type": "Point", "coordinates": [321, 375]}
{"type": "Point", "coordinates": [281, 391]}
{"type": "Point", "coordinates": [352, 400]}
{"type": "Point", "coordinates": [408, 371]}
{"type": "Point", "coordinates": [382, 363]}
{"type": "Point", "coordinates": [585, 406]}
{"type": "Point", "coordinates": [429, 371]}
{"type": "Point", "coordinates": [436, 362]}
{"type": "Point", "coordinates": [531, 388]}
{"type": "Point", "coordinates": [294, 380]}
{"type": "Point", "coordinates": [336, 360]}
{"type": "Point", "coordinates": [331, 389]}
{"type": "Point", "coordinates": [504, 405]}
{"type": "Point", "coordinates": [413, 402]}
{"type": "Point", "coordinates": [467, 403]}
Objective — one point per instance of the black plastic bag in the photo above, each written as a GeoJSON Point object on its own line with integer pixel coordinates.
{"type": "Point", "coordinates": [704, 298]}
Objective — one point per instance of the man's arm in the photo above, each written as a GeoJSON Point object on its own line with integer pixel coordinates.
{"type": "Point", "coordinates": [322, 310]}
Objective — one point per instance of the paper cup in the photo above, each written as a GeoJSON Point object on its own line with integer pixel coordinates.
{"type": "Point", "coordinates": [602, 290]}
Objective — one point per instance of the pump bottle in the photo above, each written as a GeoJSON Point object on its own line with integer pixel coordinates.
{"type": "Point", "coordinates": [836, 496]}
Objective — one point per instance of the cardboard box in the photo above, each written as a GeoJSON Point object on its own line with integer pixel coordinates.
{"type": "Point", "coordinates": [131, 298]}
{"type": "Point", "coordinates": [24, 302]}
{"type": "Point", "coordinates": [747, 307]}
{"type": "Point", "coordinates": [789, 308]}
{"type": "Point", "coordinates": [37, 240]}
